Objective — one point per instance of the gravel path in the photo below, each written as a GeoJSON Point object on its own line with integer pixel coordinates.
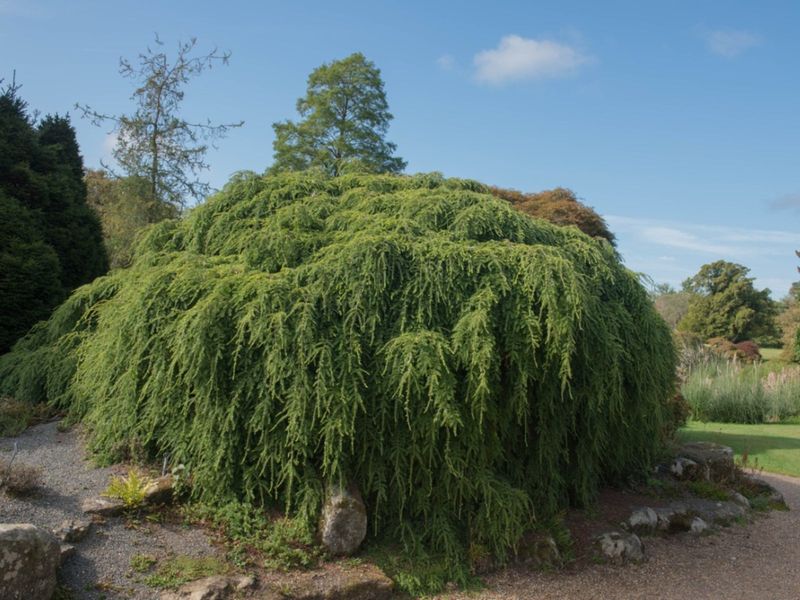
{"type": "Point", "coordinates": [101, 566]}
{"type": "Point", "coordinates": [760, 561]}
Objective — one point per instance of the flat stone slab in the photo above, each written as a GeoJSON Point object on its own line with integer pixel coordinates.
{"type": "Point", "coordinates": [103, 507]}
{"type": "Point", "coordinates": [216, 587]}
{"type": "Point", "coordinates": [716, 512]}
{"type": "Point", "coordinates": [365, 582]}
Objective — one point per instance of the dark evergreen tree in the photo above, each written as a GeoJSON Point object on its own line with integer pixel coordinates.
{"type": "Point", "coordinates": [73, 229]}
{"type": "Point", "coordinates": [50, 240]}
{"type": "Point", "coordinates": [29, 272]}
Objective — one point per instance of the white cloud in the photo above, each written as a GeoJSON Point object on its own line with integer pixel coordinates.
{"type": "Point", "coordinates": [718, 240]}
{"type": "Point", "coordinates": [517, 58]}
{"type": "Point", "coordinates": [446, 62]}
{"type": "Point", "coordinates": [675, 238]}
{"type": "Point", "coordinates": [730, 43]}
{"type": "Point", "coordinates": [108, 143]}
{"type": "Point", "coordinates": [669, 251]}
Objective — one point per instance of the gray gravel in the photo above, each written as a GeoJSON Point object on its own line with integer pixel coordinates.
{"type": "Point", "coordinates": [100, 568]}
{"type": "Point", "coordinates": [760, 561]}
{"type": "Point", "coordinates": [757, 561]}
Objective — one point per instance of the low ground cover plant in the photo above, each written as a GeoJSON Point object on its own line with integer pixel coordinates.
{"type": "Point", "coordinates": [470, 369]}
{"type": "Point", "coordinates": [252, 535]}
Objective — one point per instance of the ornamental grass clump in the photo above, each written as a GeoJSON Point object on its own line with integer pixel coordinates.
{"type": "Point", "coordinates": [469, 368]}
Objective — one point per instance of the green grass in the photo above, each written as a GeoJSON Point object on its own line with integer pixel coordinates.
{"type": "Point", "coordinates": [773, 446]}
{"type": "Point", "coordinates": [771, 354]}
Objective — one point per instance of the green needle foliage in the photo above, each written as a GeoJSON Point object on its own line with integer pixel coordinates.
{"type": "Point", "coordinates": [470, 368]}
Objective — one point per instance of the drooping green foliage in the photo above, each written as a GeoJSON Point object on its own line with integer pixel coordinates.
{"type": "Point", "coordinates": [50, 240]}
{"type": "Point", "coordinates": [468, 367]}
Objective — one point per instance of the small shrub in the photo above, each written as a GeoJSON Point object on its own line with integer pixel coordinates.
{"type": "Point", "coordinates": [130, 489]}
{"type": "Point", "coordinates": [141, 563]}
{"type": "Point", "coordinates": [15, 416]}
{"type": "Point", "coordinates": [420, 573]}
{"type": "Point", "coordinates": [723, 347]}
{"type": "Point", "coordinates": [748, 351]}
{"type": "Point", "coordinates": [18, 479]}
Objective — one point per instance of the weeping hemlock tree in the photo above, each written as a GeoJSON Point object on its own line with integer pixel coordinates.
{"type": "Point", "coordinates": [345, 117]}
{"type": "Point", "coordinates": [470, 368]}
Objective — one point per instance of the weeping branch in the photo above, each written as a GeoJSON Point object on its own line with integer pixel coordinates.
{"type": "Point", "coordinates": [471, 368]}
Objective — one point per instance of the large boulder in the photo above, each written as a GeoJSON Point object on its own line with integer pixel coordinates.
{"type": "Point", "coordinates": [642, 521]}
{"type": "Point", "coordinates": [715, 460]}
{"type": "Point", "coordinates": [344, 521]}
{"type": "Point", "coordinates": [620, 548]}
{"type": "Point", "coordinates": [29, 557]}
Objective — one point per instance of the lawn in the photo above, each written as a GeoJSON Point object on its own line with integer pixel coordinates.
{"type": "Point", "coordinates": [770, 354]}
{"type": "Point", "coordinates": [776, 447]}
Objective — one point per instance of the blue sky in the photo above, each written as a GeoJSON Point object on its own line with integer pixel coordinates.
{"type": "Point", "coordinates": [678, 121]}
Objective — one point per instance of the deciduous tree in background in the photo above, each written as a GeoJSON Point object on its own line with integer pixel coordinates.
{"type": "Point", "coordinates": [559, 206]}
{"type": "Point", "coordinates": [121, 203]}
{"type": "Point", "coordinates": [672, 306]}
{"type": "Point", "coordinates": [344, 120]}
{"type": "Point", "coordinates": [154, 143]}
{"type": "Point", "coordinates": [726, 304]}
